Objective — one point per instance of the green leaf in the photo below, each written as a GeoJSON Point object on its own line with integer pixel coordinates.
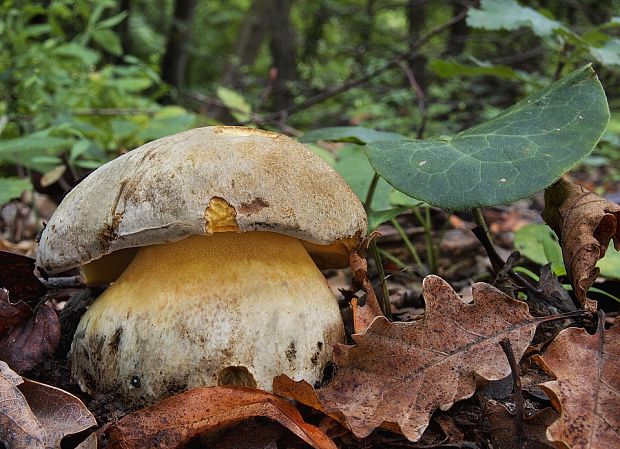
{"type": "Point", "coordinates": [355, 169]}
{"type": "Point", "coordinates": [76, 51]}
{"type": "Point", "coordinates": [236, 104]}
{"type": "Point", "coordinates": [450, 69]}
{"type": "Point", "coordinates": [510, 15]}
{"type": "Point", "coordinates": [12, 188]}
{"type": "Point", "coordinates": [324, 154]}
{"type": "Point", "coordinates": [353, 134]}
{"type": "Point", "coordinates": [168, 120]}
{"type": "Point", "coordinates": [375, 219]}
{"type": "Point", "coordinates": [109, 41]}
{"type": "Point", "coordinates": [132, 84]}
{"type": "Point", "coordinates": [29, 145]}
{"type": "Point", "coordinates": [538, 243]}
{"type": "Point", "coordinates": [610, 264]}
{"type": "Point", "coordinates": [400, 199]}
{"type": "Point", "coordinates": [609, 53]}
{"type": "Point", "coordinates": [515, 154]}
{"type": "Point", "coordinates": [113, 21]}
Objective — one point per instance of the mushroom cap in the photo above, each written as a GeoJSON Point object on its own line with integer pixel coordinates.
{"type": "Point", "coordinates": [204, 180]}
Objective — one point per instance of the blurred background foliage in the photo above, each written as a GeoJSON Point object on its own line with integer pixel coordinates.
{"type": "Point", "coordinates": [82, 81]}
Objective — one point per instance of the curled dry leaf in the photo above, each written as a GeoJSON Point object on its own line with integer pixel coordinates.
{"type": "Point", "coordinates": [174, 421]}
{"type": "Point", "coordinates": [26, 336]}
{"type": "Point", "coordinates": [363, 314]}
{"type": "Point", "coordinates": [587, 389]}
{"type": "Point", "coordinates": [399, 373]}
{"type": "Point", "coordinates": [37, 416]}
{"type": "Point", "coordinates": [502, 428]}
{"type": "Point", "coordinates": [585, 223]}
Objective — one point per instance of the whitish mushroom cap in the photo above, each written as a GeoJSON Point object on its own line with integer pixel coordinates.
{"type": "Point", "coordinates": [197, 182]}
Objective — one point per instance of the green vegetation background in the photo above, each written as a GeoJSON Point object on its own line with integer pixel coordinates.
{"type": "Point", "coordinates": [84, 81]}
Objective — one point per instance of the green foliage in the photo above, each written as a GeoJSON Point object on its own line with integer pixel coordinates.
{"type": "Point", "coordinates": [509, 15]}
{"type": "Point", "coordinates": [240, 109]}
{"type": "Point", "coordinates": [12, 188]}
{"type": "Point", "coordinates": [353, 134]}
{"type": "Point", "coordinates": [515, 154]}
{"type": "Point", "coordinates": [538, 243]}
{"type": "Point", "coordinates": [449, 69]}
{"type": "Point", "coordinates": [353, 166]}
{"type": "Point", "coordinates": [61, 96]}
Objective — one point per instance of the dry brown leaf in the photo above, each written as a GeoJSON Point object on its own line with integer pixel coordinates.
{"type": "Point", "coordinates": [35, 415]}
{"type": "Point", "coordinates": [585, 223]}
{"type": "Point", "coordinates": [174, 421]}
{"type": "Point", "coordinates": [401, 372]}
{"type": "Point", "coordinates": [502, 428]}
{"type": "Point", "coordinates": [17, 276]}
{"type": "Point", "coordinates": [363, 314]}
{"type": "Point", "coordinates": [27, 337]}
{"type": "Point", "coordinates": [587, 389]}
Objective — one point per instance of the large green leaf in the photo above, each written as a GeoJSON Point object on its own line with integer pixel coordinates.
{"type": "Point", "coordinates": [12, 188]}
{"type": "Point", "coordinates": [510, 15]}
{"type": "Point", "coordinates": [353, 134]}
{"type": "Point", "coordinates": [515, 154]}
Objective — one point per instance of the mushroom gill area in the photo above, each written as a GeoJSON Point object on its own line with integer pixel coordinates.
{"type": "Point", "coordinates": [225, 308]}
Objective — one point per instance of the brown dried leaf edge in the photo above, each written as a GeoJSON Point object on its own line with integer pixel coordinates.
{"type": "Point", "coordinates": [587, 389]}
{"type": "Point", "coordinates": [172, 422]}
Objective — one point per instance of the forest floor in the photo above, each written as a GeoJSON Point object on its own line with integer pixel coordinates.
{"type": "Point", "coordinates": [482, 421]}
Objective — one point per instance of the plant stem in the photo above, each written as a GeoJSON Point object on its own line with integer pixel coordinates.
{"type": "Point", "coordinates": [428, 237]}
{"type": "Point", "coordinates": [485, 238]}
{"type": "Point", "coordinates": [371, 192]}
{"type": "Point", "coordinates": [385, 303]}
{"type": "Point", "coordinates": [483, 235]}
{"type": "Point", "coordinates": [519, 402]}
{"type": "Point", "coordinates": [394, 259]}
{"type": "Point", "coordinates": [408, 244]}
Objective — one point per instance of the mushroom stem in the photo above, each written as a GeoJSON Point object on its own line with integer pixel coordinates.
{"type": "Point", "coordinates": [208, 310]}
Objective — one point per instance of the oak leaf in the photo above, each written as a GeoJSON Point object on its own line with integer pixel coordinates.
{"type": "Point", "coordinates": [399, 373]}
{"type": "Point", "coordinates": [172, 422]}
{"type": "Point", "coordinates": [36, 415]}
{"type": "Point", "coordinates": [585, 223]}
{"type": "Point", "coordinates": [587, 389]}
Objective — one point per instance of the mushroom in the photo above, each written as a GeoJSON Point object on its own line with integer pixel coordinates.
{"type": "Point", "coordinates": [208, 237]}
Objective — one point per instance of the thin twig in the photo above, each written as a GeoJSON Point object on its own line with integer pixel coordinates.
{"type": "Point", "coordinates": [385, 303]}
{"type": "Point", "coordinates": [516, 381]}
{"type": "Point", "coordinates": [420, 97]}
{"type": "Point", "coordinates": [64, 282]}
{"type": "Point", "coordinates": [354, 82]}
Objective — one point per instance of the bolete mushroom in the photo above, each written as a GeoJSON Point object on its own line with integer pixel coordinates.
{"type": "Point", "coordinates": [208, 237]}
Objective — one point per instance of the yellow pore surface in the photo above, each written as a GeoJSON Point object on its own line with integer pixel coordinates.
{"type": "Point", "coordinates": [224, 266]}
